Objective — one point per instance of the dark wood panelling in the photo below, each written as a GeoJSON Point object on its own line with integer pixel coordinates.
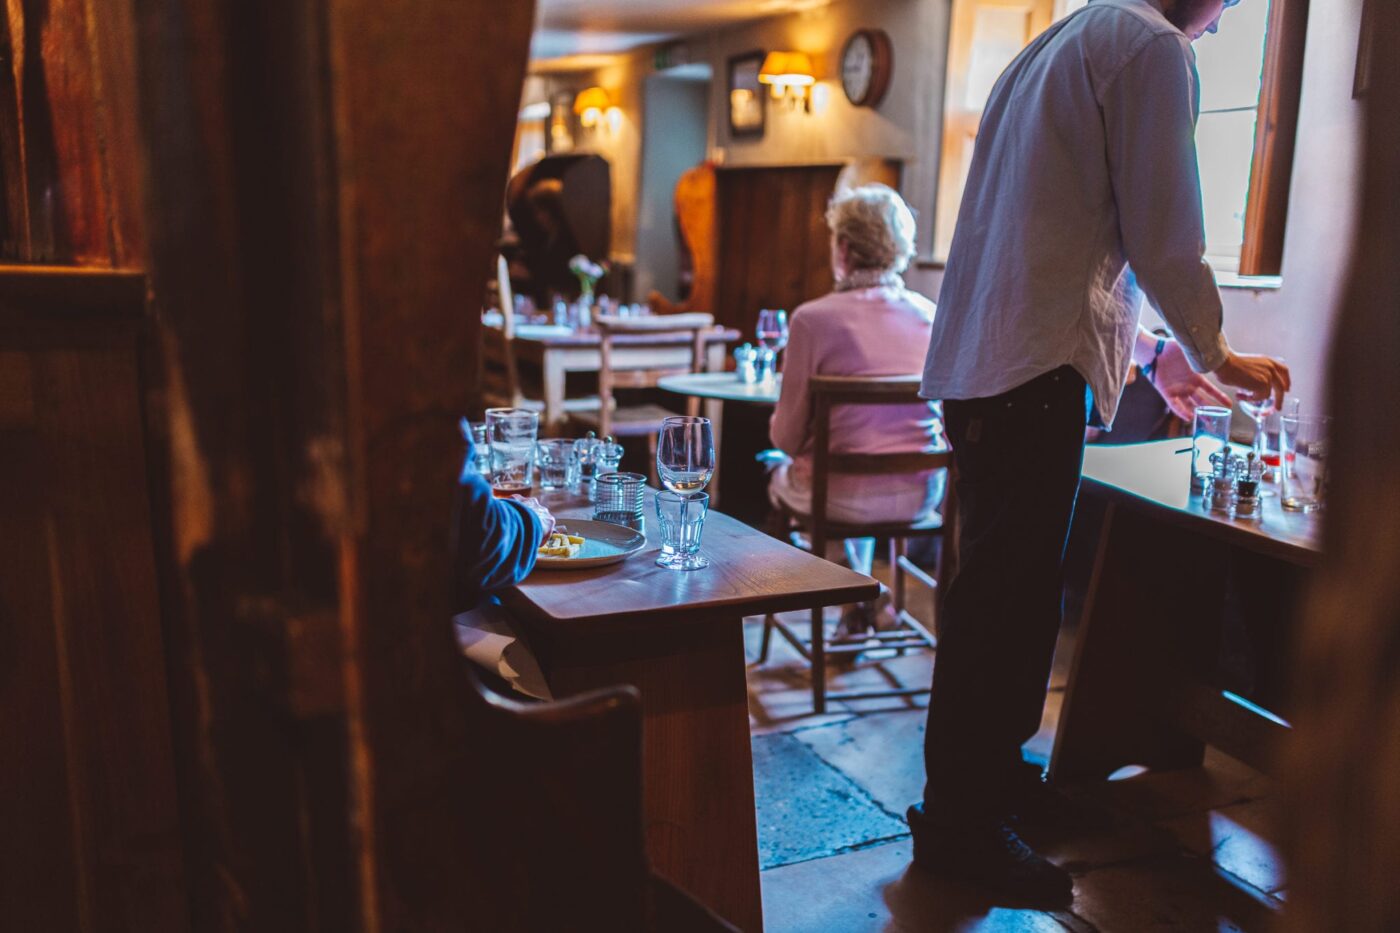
{"type": "Point", "coordinates": [82, 684]}
{"type": "Point", "coordinates": [773, 241]}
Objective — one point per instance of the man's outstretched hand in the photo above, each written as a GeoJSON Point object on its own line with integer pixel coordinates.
{"type": "Point", "coordinates": [1257, 377]}
{"type": "Point", "coordinates": [1182, 388]}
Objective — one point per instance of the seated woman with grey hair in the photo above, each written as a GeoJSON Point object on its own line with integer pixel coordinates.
{"type": "Point", "coordinates": [870, 325]}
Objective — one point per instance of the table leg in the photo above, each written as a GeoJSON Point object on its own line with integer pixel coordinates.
{"type": "Point", "coordinates": [714, 410]}
{"type": "Point", "coordinates": [1151, 625]}
{"type": "Point", "coordinates": [696, 758]}
{"type": "Point", "coordinates": [553, 376]}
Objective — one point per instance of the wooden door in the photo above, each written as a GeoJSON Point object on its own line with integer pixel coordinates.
{"type": "Point", "coordinates": [774, 249]}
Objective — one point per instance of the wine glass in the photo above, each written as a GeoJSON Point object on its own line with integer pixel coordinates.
{"type": "Point", "coordinates": [685, 461]}
{"type": "Point", "coordinates": [772, 332]}
{"type": "Point", "coordinates": [1258, 412]}
{"type": "Point", "coordinates": [685, 454]}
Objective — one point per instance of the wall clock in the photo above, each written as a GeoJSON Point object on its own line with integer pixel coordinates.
{"type": "Point", "coordinates": [866, 64]}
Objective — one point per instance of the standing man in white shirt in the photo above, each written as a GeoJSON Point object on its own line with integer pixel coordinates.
{"type": "Point", "coordinates": [1084, 194]}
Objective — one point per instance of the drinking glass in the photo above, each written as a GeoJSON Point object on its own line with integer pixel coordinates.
{"type": "Point", "coordinates": [685, 454]}
{"type": "Point", "coordinates": [558, 462]}
{"type": "Point", "coordinates": [1211, 435]}
{"type": "Point", "coordinates": [1304, 462]}
{"type": "Point", "coordinates": [475, 431]}
{"type": "Point", "coordinates": [619, 499]}
{"type": "Point", "coordinates": [772, 333]}
{"type": "Point", "coordinates": [511, 433]}
{"type": "Point", "coordinates": [682, 520]}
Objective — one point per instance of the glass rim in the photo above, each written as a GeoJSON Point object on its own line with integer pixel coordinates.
{"type": "Point", "coordinates": [684, 419]}
{"type": "Point", "coordinates": [556, 442]}
{"type": "Point", "coordinates": [1212, 410]}
{"type": "Point", "coordinates": [621, 477]}
{"type": "Point", "coordinates": [510, 412]}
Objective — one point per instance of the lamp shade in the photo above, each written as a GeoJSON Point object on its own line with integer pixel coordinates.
{"type": "Point", "coordinates": [787, 69]}
{"type": "Point", "coordinates": [593, 98]}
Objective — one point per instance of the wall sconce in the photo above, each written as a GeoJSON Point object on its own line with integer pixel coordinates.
{"type": "Point", "coordinates": [594, 106]}
{"type": "Point", "coordinates": [790, 76]}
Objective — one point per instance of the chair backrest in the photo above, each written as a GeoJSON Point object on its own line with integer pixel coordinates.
{"type": "Point", "coordinates": [693, 326]}
{"type": "Point", "coordinates": [500, 375]}
{"type": "Point", "coordinates": [829, 391]}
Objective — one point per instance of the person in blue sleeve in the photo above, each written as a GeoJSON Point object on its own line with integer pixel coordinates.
{"type": "Point", "coordinates": [494, 541]}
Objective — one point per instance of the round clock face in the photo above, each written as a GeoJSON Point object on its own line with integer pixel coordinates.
{"type": "Point", "coordinates": [858, 68]}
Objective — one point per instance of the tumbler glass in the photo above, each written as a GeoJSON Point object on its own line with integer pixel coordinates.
{"type": "Point", "coordinates": [682, 520]}
{"type": "Point", "coordinates": [1212, 435]}
{"type": "Point", "coordinates": [558, 462]}
{"type": "Point", "coordinates": [1304, 462]}
{"type": "Point", "coordinates": [619, 499]}
{"type": "Point", "coordinates": [512, 433]}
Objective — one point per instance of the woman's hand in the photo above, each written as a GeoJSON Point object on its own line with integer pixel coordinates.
{"type": "Point", "coordinates": [1256, 376]}
{"type": "Point", "coordinates": [542, 514]}
{"type": "Point", "coordinates": [1182, 388]}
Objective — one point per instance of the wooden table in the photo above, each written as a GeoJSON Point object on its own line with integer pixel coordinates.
{"type": "Point", "coordinates": [1139, 690]}
{"type": "Point", "coordinates": [558, 351]}
{"type": "Point", "coordinates": [678, 638]}
{"type": "Point", "coordinates": [724, 387]}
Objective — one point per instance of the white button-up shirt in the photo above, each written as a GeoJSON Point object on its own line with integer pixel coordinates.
{"type": "Point", "coordinates": [1085, 163]}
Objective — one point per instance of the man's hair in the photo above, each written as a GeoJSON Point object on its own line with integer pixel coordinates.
{"type": "Point", "coordinates": [1182, 12]}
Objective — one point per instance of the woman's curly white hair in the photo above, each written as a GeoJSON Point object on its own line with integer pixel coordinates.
{"type": "Point", "coordinates": [876, 226]}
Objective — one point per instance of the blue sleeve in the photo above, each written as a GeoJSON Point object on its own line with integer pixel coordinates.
{"type": "Point", "coordinates": [493, 540]}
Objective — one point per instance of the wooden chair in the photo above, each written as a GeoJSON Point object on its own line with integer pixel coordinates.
{"type": "Point", "coordinates": [642, 420]}
{"type": "Point", "coordinates": [501, 383]}
{"type": "Point", "coordinates": [827, 392]}
{"type": "Point", "coordinates": [561, 785]}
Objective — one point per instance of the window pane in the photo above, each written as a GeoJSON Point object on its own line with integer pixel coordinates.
{"type": "Point", "coordinates": [1231, 62]}
{"type": "Point", "coordinates": [1226, 145]}
{"type": "Point", "coordinates": [998, 35]}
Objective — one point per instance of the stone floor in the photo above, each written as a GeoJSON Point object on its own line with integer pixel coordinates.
{"type": "Point", "coordinates": [1187, 850]}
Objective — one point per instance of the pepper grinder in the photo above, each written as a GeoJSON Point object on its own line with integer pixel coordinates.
{"type": "Point", "coordinates": [1220, 494]}
{"type": "Point", "coordinates": [1247, 480]}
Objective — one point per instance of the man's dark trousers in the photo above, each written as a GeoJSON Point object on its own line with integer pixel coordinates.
{"type": "Point", "coordinates": [1017, 459]}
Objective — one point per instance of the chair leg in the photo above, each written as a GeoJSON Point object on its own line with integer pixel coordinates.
{"type": "Point", "coordinates": [897, 550]}
{"type": "Point", "coordinates": [767, 639]}
{"type": "Point", "coordinates": [818, 662]}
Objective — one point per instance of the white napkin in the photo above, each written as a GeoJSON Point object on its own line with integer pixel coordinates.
{"type": "Point", "coordinates": [488, 639]}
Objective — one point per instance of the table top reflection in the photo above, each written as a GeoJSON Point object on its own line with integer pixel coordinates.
{"type": "Point", "coordinates": [724, 386]}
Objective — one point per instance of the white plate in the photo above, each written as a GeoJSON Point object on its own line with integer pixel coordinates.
{"type": "Point", "coordinates": [603, 544]}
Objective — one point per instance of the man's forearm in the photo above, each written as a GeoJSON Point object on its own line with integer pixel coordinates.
{"type": "Point", "coordinates": [1145, 346]}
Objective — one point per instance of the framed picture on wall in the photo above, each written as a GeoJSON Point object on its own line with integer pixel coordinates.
{"type": "Point", "coordinates": [746, 97]}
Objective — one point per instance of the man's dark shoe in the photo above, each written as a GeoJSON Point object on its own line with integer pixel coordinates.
{"type": "Point", "coordinates": [991, 856]}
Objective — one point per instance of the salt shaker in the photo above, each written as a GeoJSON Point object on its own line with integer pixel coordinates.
{"type": "Point", "coordinates": [746, 363]}
{"type": "Point", "coordinates": [608, 456]}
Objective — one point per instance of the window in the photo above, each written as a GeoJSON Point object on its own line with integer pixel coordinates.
{"type": "Point", "coordinates": [1251, 75]}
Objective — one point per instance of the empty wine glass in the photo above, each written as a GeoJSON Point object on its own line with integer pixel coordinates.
{"type": "Point", "coordinates": [1257, 412]}
{"type": "Point", "coordinates": [685, 454]}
